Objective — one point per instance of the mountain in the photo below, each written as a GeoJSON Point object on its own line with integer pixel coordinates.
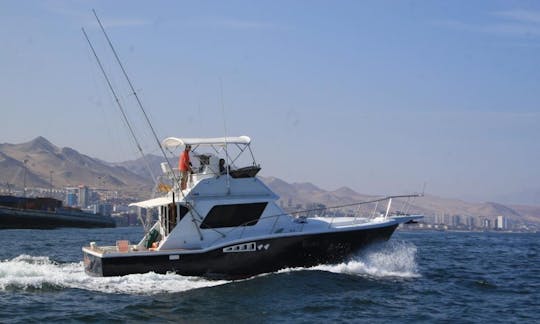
{"type": "Point", "coordinates": [306, 193]}
{"type": "Point", "coordinates": [71, 168]}
{"type": "Point", "coordinates": [13, 169]}
{"type": "Point", "coordinates": [528, 213]}
{"type": "Point", "coordinates": [66, 166]}
{"type": "Point", "coordinates": [140, 165]}
{"type": "Point", "coordinates": [493, 209]}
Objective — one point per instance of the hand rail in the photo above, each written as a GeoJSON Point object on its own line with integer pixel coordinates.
{"type": "Point", "coordinates": [243, 226]}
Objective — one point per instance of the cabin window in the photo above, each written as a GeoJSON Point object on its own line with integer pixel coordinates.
{"type": "Point", "coordinates": [234, 215]}
{"type": "Point", "coordinates": [183, 211]}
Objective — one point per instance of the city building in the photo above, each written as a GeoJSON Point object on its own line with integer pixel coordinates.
{"type": "Point", "coordinates": [71, 196]}
{"type": "Point", "coordinates": [84, 196]}
{"type": "Point", "coordinates": [486, 224]}
{"type": "Point", "coordinates": [105, 209]}
{"type": "Point", "coordinates": [501, 223]}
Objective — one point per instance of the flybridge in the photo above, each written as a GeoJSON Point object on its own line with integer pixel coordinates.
{"type": "Point", "coordinates": [211, 157]}
{"type": "Point", "coordinates": [222, 158]}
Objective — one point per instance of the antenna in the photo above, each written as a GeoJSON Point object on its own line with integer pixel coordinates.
{"type": "Point", "coordinates": [136, 96]}
{"type": "Point", "coordinates": [119, 104]}
{"type": "Point", "coordinates": [225, 128]}
{"type": "Point", "coordinates": [223, 108]}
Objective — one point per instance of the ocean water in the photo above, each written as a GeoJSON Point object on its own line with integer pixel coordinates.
{"type": "Point", "coordinates": [414, 277]}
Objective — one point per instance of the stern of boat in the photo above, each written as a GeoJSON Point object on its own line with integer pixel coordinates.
{"type": "Point", "coordinates": [92, 262]}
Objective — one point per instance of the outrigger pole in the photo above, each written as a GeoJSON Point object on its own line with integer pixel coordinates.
{"type": "Point", "coordinates": [173, 175]}
{"type": "Point", "coordinates": [124, 116]}
{"type": "Point", "coordinates": [137, 98]}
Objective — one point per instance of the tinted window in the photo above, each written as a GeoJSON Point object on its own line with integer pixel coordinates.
{"type": "Point", "coordinates": [183, 211]}
{"type": "Point", "coordinates": [234, 215]}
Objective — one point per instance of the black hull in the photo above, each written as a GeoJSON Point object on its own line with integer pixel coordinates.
{"type": "Point", "coordinates": [13, 218]}
{"type": "Point", "coordinates": [269, 255]}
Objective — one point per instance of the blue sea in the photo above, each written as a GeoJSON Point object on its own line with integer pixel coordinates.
{"type": "Point", "coordinates": [414, 277]}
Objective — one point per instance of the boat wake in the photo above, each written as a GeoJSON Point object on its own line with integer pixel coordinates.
{"type": "Point", "coordinates": [41, 273]}
{"type": "Point", "coordinates": [392, 259]}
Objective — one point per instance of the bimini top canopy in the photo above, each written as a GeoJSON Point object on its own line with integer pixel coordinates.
{"type": "Point", "coordinates": [153, 202]}
{"type": "Point", "coordinates": [173, 142]}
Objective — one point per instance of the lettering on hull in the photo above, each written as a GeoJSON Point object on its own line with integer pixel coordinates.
{"type": "Point", "coordinates": [244, 247]}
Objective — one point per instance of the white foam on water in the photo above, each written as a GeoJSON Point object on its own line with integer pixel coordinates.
{"type": "Point", "coordinates": [37, 272]}
{"type": "Point", "coordinates": [392, 259]}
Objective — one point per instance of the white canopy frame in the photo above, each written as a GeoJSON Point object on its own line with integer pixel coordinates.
{"type": "Point", "coordinates": [241, 142]}
{"type": "Point", "coordinates": [174, 142]}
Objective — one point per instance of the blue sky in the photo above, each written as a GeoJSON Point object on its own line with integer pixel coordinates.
{"type": "Point", "coordinates": [380, 96]}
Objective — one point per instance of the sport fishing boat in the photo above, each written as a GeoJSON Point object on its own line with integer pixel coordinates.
{"type": "Point", "coordinates": [227, 223]}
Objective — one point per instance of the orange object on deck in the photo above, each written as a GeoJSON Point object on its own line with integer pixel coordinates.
{"type": "Point", "coordinates": [122, 246]}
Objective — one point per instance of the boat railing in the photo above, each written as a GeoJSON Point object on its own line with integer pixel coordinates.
{"type": "Point", "coordinates": [201, 173]}
{"type": "Point", "coordinates": [197, 175]}
{"type": "Point", "coordinates": [342, 215]}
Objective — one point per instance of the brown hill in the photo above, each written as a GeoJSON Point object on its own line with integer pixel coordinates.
{"type": "Point", "coordinates": [307, 193]}
{"type": "Point", "coordinates": [528, 213]}
{"type": "Point", "coordinates": [13, 169]}
{"type": "Point", "coordinates": [69, 168]}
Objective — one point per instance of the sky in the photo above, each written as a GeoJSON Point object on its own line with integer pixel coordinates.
{"type": "Point", "coordinates": [378, 96]}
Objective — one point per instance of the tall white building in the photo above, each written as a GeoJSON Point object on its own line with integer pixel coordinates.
{"type": "Point", "coordinates": [502, 223]}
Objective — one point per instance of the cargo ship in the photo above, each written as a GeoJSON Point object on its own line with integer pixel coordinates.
{"type": "Point", "coordinates": [46, 213]}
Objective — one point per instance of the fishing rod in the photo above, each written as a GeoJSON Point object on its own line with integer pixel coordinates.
{"type": "Point", "coordinates": [136, 97]}
{"type": "Point", "coordinates": [119, 104]}
{"type": "Point", "coordinates": [172, 174]}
